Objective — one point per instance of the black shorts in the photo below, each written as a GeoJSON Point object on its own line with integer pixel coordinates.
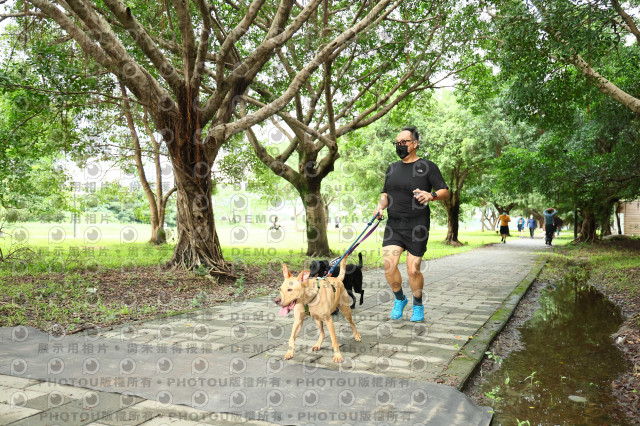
{"type": "Point", "coordinates": [412, 240]}
{"type": "Point", "coordinates": [504, 230]}
{"type": "Point", "coordinates": [520, 227]}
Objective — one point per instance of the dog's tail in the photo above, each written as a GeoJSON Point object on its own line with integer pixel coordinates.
{"type": "Point", "coordinates": [343, 269]}
{"type": "Point", "coordinates": [360, 257]}
{"type": "Point", "coordinates": [340, 277]}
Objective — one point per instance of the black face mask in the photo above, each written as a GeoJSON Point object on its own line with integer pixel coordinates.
{"type": "Point", "coordinates": [402, 151]}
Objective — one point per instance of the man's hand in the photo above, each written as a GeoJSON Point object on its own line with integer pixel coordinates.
{"type": "Point", "coordinates": [422, 196]}
{"type": "Point", "coordinates": [380, 213]}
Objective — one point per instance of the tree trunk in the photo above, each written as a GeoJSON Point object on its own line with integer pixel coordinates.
{"type": "Point", "coordinates": [317, 241]}
{"type": "Point", "coordinates": [192, 160]}
{"type": "Point", "coordinates": [588, 227]}
{"type": "Point", "coordinates": [605, 227]}
{"type": "Point", "coordinates": [605, 218]}
{"type": "Point", "coordinates": [483, 218]}
{"type": "Point", "coordinates": [198, 243]}
{"type": "Point", "coordinates": [484, 225]}
{"type": "Point", "coordinates": [493, 219]}
{"type": "Point", "coordinates": [160, 233]}
{"type": "Point", "coordinates": [156, 237]}
{"type": "Point", "coordinates": [618, 226]}
{"type": "Point", "coordinates": [297, 213]}
{"type": "Point", "coordinates": [453, 219]}
{"type": "Point", "coordinates": [490, 216]}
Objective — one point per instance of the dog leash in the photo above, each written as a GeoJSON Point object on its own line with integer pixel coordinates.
{"type": "Point", "coordinates": [356, 243]}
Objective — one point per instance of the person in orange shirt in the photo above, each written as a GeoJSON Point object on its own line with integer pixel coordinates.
{"type": "Point", "coordinates": [504, 225]}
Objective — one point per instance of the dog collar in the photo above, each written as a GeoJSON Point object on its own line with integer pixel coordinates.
{"type": "Point", "coordinates": [306, 305]}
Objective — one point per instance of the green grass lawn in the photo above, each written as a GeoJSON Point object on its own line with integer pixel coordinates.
{"type": "Point", "coordinates": [115, 246]}
{"type": "Point", "coordinates": [124, 245]}
{"type": "Point", "coordinates": [614, 266]}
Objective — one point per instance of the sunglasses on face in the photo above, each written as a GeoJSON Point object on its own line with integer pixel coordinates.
{"type": "Point", "coordinates": [404, 142]}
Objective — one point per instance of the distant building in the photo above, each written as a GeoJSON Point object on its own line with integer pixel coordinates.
{"type": "Point", "coordinates": [630, 217]}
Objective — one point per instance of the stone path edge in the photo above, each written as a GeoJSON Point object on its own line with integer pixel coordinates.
{"type": "Point", "coordinates": [465, 365]}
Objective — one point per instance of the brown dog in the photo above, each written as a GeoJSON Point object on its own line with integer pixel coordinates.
{"type": "Point", "coordinates": [322, 296]}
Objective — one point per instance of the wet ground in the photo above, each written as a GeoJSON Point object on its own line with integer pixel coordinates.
{"type": "Point", "coordinates": [555, 362]}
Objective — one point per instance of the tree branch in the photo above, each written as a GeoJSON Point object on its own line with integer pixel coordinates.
{"type": "Point", "coordinates": [145, 43]}
{"type": "Point", "coordinates": [203, 44]}
{"type": "Point", "coordinates": [304, 74]}
{"type": "Point", "coordinates": [188, 39]}
{"type": "Point", "coordinates": [605, 86]}
{"type": "Point", "coordinates": [631, 25]}
{"type": "Point", "coordinates": [278, 167]}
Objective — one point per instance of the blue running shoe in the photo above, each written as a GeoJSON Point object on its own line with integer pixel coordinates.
{"type": "Point", "coordinates": [398, 307]}
{"type": "Point", "coordinates": [418, 313]}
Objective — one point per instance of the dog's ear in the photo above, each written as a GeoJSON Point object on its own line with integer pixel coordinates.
{"type": "Point", "coordinates": [285, 271]}
{"type": "Point", "coordinates": [303, 277]}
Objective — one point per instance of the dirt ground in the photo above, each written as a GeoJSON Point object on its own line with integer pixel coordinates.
{"type": "Point", "coordinates": [127, 295]}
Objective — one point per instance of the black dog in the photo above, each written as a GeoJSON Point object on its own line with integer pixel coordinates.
{"type": "Point", "coordinates": [352, 278]}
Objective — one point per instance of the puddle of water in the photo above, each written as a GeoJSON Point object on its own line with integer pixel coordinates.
{"type": "Point", "coordinates": [564, 374]}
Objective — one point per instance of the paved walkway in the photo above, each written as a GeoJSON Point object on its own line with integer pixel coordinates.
{"type": "Point", "coordinates": [224, 365]}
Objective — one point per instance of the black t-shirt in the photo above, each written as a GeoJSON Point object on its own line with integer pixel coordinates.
{"type": "Point", "coordinates": [405, 211]}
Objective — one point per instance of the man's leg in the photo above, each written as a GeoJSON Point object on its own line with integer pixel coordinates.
{"type": "Point", "coordinates": [416, 282]}
{"type": "Point", "coordinates": [391, 255]}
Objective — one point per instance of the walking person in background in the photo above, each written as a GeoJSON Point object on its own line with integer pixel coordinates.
{"type": "Point", "coordinates": [275, 225]}
{"type": "Point", "coordinates": [532, 225]}
{"type": "Point", "coordinates": [549, 229]}
{"type": "Point", "coordinates": [504, 226]}
{"type": "Point", "coordinates": [520, 224]}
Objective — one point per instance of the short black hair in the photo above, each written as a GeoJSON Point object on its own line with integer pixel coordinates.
{"type": "Point", "coordinates": [414, 132]}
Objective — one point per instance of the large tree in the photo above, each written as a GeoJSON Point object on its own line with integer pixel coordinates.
{"type": "Point", "coordinates": [410, 51]}
{"type": "Point", "coordinates": [189, 63]}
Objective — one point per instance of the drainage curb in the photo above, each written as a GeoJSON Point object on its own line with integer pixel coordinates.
{"type": "Point", "coordinates": [464, 365]}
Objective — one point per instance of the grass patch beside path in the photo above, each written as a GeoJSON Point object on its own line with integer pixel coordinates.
{"type": "Point", "coordinates": [613, 266]}
{"type": "Point", "coordinates": [71, 286]}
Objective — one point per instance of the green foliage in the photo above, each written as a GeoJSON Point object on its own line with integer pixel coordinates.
{"type": "Point", "coordinates": [496, 358]}
{"type": "Point", "coordinates": [534, 44]}
{"type": "Point", "coordinates": [493, 394]}
{"type": "Point", "coordinates": [29, 172]}
{"type": "Point", "coordinates": [591, 166]}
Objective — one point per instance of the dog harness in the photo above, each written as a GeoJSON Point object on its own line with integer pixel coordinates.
{"type": "Point", "coordinates": [306, 306]}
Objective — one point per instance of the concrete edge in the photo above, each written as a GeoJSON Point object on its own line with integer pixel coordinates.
{"type": "Point", "coordinates": [462, 368]}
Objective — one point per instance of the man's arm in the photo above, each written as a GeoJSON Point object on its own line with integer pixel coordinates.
{"type": "Point", "coordinates": [425, 196]}
{"type": "Point", "coordinates": [383, 203]}
{"type": "Point", "coordinates": [442, 194]}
